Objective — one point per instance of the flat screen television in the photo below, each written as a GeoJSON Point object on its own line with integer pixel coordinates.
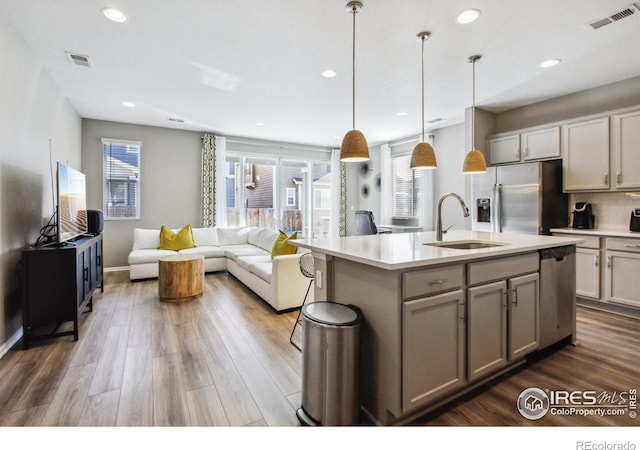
{"type": "Point", "coordinates": [72, 204]}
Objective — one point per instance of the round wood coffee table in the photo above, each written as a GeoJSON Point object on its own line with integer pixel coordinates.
{"type": "Point", "coordinates": [180, 277]}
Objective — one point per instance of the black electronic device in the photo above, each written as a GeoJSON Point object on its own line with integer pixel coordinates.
{"type": "Point", "coordinates": [634, 224]}
{"type": "Point", "coordinates": [95, 221]}
{"type": "Point", "coordinates": [583, 217]}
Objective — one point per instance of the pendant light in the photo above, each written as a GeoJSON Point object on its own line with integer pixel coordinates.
{"type": "Point", "coordinates": [423, 156]}
{"type": "Point", "coordinates": [474, 162]}
{"type": "Point", "coordinates": [354, 145]}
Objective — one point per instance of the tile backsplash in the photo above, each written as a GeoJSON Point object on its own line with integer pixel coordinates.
{"type": "Point", "coordinates": [612, 210]}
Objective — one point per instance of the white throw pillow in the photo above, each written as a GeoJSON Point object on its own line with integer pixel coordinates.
{"type": "Point", "coordinates": [233, 236]}
{"type": "Point", "coordinates": [145, 238]}
{"type": "Point", "coordinates": [254, 235]}
{"type": "Point", "coordinates": [205, 237]}
{"type": "Point", "coordinates": [267, 238]}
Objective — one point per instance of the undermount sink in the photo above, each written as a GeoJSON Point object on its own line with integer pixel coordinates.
{"type": "Point", "coordinates": [466, 245]}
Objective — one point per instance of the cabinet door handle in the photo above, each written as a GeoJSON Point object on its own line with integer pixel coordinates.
{"type": "Point", "coordinates": [606, 178]}
{"type": "Point", "coordinates": [632, 246]}
{"type": "Point", "coordinates": [517, 153]}
{"type": "Point", "coordinates": [506, 298]}
{"type": "Point", "coordinates": [597, 260]}
{"type": "Point", "coordinates": [619, 178]}
{"type": "Point", "coordinates": [609, 262]}
{"type": "Point", "coordinates": [442, 281]}
{"type": "Point", "coordinates": [461, 310]}
{"type": "Point", "coordinates": [86, 274]}
{"type": "Point", "coordinates": [526, 152]}
{"type": "Point", "coordinates": [515, 297]}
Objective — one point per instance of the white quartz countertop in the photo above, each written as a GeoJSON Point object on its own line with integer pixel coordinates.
{"type": "Point", "coordinates": [598, 232]}
{"type": "Point", "coordinates": [406, 250]}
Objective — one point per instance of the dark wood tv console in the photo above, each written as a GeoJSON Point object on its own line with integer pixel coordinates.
{"type": "Point", "coordinates": [58, 285]}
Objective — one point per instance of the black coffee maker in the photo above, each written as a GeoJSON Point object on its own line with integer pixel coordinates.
{"type": "Point", "coordinates": [583, 216]}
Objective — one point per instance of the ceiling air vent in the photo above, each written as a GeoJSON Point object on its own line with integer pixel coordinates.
{"type": "Point", "coordinates": [628, 11]}
{"type": "Point", "coordinates": [175, 119]}
{"type": "Point", "coordinates": [79, 60]}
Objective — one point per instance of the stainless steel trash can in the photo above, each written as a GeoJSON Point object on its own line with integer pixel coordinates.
{"type": "Point", "coordinates": [330, 364]}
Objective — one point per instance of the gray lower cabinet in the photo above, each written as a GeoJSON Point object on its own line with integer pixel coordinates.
{"type": "Point", "coordinates": [487, 328]}
{"type": "Point", "coordinates": [433, 347]}
{"type": "Point", "coordinates": [523, 315]}
{"type": "Point", "coordinates": [502, 315]}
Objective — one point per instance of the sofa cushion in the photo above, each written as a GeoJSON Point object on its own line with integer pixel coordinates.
{"type": "Point", "coordinates": [209, 251]}
{"type": "Point", "coordinates": [169, 240]}
{"type": "Point", "coordinates": [262, 270]}
{"type": "Point", "coordinates": [233, 236]}
{"type": "Point", "coordinates": [145, 238]}
{"type": "Point", "coordinates": [281, 246]}
{"type": "Point", "coordinates": [205, 236]}
{"type": "Point", "coordinates": [148, 255]}
{"type": "Point", "coordinates": [235, 251]}
{"type": "Point", "coordinates": [246, 262]}
{"type": "Point", "coordinates": [267, 238]}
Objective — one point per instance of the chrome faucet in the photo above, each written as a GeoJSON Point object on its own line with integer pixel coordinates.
{"type": "Point", "coordinates": [465, 212]}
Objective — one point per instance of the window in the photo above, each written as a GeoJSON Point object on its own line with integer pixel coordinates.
{"type": "Point", "coordinates": [121, 179]}
{"type": "Point", "coordinates": [321, 198]}
{"type": "Point", "coordinates": [405, 184]}
{"type": "Point", "coordinates": [291, 197]}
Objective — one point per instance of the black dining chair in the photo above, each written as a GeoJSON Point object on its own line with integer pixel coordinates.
{"type": "Point", "coordinates": [366, 224]}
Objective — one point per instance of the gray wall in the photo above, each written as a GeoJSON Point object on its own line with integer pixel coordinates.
{"type": "Point", "coordinates": [449, 144]}
{"type": "Point", "coordinates": [33, 112]}
{"type": "Point", "coordinates": [592, 101]}
{"type": "Point", "coordinates": [170, 180]}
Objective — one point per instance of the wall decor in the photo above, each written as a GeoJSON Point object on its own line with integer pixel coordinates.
{"type": "Point", "coordinates": [365, 190]}
{"type": "Point", "coordinates": [364, 169]}
{"type": "Point", "coordinates": [378, 182]}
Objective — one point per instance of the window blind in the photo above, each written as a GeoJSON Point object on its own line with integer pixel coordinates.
{"type": "Point", "coordinates": [405, 187]}
{"type": "Point", "coordinates": [121, 179]}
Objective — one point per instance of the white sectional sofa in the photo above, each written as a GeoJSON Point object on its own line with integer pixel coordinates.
{"type": "Point", "coordinates": [244, 252]}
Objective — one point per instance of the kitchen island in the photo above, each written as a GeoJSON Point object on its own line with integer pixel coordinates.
{"type": "Point", "coordinates": [439, 318]}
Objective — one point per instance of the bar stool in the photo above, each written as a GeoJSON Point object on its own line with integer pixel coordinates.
{"type": "Point", "coordinates": [307, 268]}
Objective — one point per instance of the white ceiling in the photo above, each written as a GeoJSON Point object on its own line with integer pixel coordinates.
{"type": "Point", "coordinates": [223, 66]}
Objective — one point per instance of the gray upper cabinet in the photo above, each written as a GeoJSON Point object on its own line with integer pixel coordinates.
{"type": "Point", "coordinates": [524, 146]}
{"type": "Point", "coordinates": [626, 150]}
{"type": "Point", "coordinates": [586, 155]}
{"type": "Point", "coordinates": [504, 149]}
{"type": "Point", "coordinates": [541, 144]}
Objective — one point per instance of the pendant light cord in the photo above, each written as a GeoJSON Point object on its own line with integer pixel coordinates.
{"type": "Point", "coordinates": [353, 69]}
{"type": "Point", "coordinates": [473, 106]}
{"type": "Point", "coordinates": [422, 74]}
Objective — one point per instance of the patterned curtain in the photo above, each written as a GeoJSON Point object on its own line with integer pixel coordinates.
{"type": "Point", "coordinates": [208, 210]}
{"type": "Point", "coordinates": [343, 199]}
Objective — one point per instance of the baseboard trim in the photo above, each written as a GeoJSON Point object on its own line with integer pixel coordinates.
{"type": "Point", "coordinates": [4, 348]}
{"type": "Point", "coordinates": [117, 269]}
{"type": "Point", "coordinates": [609, 307]}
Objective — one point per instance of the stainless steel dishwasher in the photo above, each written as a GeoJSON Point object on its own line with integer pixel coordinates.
{"type": "Point", "coordinates": [557, 294]}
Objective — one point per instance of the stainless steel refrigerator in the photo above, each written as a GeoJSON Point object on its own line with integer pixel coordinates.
{"type": "Point", "coordinates": [520, 198]}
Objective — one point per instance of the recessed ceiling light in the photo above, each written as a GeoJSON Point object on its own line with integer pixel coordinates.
{"type": "Point", "coordinates": [328, 73]}
{"type": "Point", "coordinates": [468, 16]}
{"type": "Point", "coordinates": [128, 104]}
{"type": "Point", "coordinates": [114, 14]}
{"type": "Point", "coordinates": [401, 114]}
{"type": "Point", "coordinates": [550, 62]}
{"type": "Point", "coordinates": [259, 124]}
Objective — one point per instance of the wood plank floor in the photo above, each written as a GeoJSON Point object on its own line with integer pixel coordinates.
{"type": "Point", "coordinates": [225, 360]}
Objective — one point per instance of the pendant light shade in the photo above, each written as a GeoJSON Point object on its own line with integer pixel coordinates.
{"type": "Point", "coordinates": [354, 145]}
{"type": "Point", "coordinates": [423, 155]}
{"type": "Point", "coordinates": [474, 162]}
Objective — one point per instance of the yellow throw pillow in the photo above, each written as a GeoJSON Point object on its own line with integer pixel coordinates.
{"type": "Point", "coordinates": [176, 241]}
{"type": "Point", "coordinates": [282, 246]}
